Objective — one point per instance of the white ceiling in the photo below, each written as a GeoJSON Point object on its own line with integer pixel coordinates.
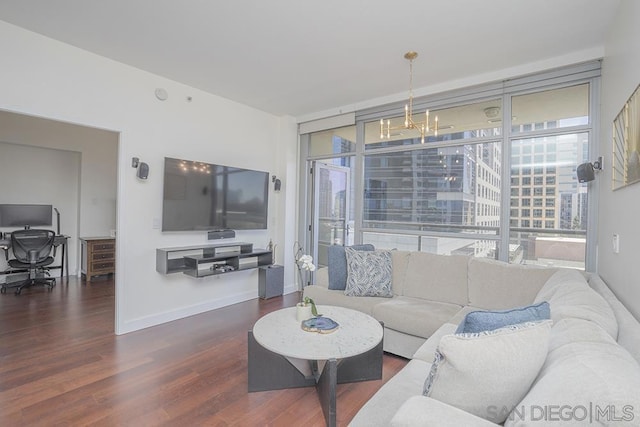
{"type": "Point", "coordinates": [300, 57]}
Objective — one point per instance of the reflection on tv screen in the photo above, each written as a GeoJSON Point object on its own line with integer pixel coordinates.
{"type": "Point", "coordinates": [204, 196]}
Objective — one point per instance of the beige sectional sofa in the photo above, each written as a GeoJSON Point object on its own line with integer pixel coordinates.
{"type": "Point", "coordinates": [591, 364]}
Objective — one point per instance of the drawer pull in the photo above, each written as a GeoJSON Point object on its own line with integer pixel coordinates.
{"type": "Point", "coordinates": [101, 266]}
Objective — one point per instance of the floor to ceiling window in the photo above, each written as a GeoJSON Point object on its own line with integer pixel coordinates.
{"type": "Point", "coordinates": [495, 179]}
{"type": "Point", "coordinates": [548, 207]}
{"type": "Point", "coordinates": [440, 196]}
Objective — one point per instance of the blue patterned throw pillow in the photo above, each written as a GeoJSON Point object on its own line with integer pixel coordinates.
{"type": "Point", "coordinates": [368, 273]}
{"type": "Point", "coordinates": [479, 321]}
{"type": "Point", "coordinates": [337, 264]}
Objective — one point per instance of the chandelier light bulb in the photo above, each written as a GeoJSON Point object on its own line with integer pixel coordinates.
{"type": "Point", "coordinates": [422, 127]}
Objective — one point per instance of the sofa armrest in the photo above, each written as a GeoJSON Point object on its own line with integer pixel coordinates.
{"type": "Point", "coordinates": [322, 277]}
{"type": "Point", "coordinates": [628, 326]}
{"type": "Point", "coordinates": [421, 411]}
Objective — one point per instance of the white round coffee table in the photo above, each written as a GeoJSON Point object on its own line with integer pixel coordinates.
{"type": "Point", "coordinates": [283, 355]}
{"type": "Point", "coordinates": [281, 333]}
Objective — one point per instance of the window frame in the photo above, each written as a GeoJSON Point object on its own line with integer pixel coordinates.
{"type": "Point", "coordinates": [506, 90]}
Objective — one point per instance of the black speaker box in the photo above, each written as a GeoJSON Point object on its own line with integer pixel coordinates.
{"type": "Point", "coordinates": [221, 234]}
{"type": "Point", "coordinates": [585, 172]}
{"type": "Point", "coordinates": [143, 171]}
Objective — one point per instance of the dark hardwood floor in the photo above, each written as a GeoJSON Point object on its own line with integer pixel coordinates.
{"type": "Point", "coordinates": [62, 365]}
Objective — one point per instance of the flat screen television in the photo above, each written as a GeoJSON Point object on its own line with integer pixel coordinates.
{"type": "Point", "coordinates": [15, 215]}
{"type": "Point", "coordinates": [205, 196]}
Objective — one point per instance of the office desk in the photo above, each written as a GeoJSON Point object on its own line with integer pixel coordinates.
{"type": "Point", "coordinates": [58, 241]}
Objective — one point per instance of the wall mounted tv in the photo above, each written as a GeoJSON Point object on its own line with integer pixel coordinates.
{"type": "Point", "coordinates": [204, 196]}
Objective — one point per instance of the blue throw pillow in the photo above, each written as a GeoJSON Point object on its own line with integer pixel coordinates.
{"type": "Point", "coordinates": [337, 264]}
{"type": "Point", "coordinates": [480, 321]}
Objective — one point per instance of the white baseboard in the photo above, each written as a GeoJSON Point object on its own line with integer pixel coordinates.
{"type": "Point", "coordinates": [170, 316]}
{"type": "Point", "coordinates": [290, 289]}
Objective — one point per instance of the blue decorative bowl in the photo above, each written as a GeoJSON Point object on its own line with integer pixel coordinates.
{"type": "Point", "coordinates": [322, 325]}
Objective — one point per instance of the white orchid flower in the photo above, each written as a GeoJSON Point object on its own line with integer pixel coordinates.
{"type": "Point", "coordinates": [306, 263]}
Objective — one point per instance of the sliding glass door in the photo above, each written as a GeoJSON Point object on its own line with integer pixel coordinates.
{"type": "Point", "coordinates": [330, 191]}
{"type": "Point", "coordinates": [331, 222]}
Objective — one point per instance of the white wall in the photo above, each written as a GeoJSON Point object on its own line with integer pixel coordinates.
{"type": "Point", "coordinates": [93, 212]}
{"type": "Point", "coordinates": [46, 78]}
{"type": "Point", "coordinates": [36, 175]}
{"type": "Point", "coordinates": [619, 210]}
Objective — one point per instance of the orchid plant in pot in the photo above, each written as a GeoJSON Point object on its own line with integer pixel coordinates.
{"type": "Point", "coordinates": [306, 309]}
{"type": "Point", "coordinates": [304, 264]}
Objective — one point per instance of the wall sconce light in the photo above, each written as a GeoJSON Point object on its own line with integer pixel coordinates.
{"type": "Point", "coordinates": [142, 168]}
{"type": "Point", "coordinates": [277, 184]}
{"type": "Point", "coordinates": [586, 171]}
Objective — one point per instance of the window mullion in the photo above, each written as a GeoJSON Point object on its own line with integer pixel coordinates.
{"type": "Point", "coordinates": [505, 201]}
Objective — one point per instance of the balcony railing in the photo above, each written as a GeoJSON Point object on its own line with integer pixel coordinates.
{"type": "Point", "coordinates": [551, 247]}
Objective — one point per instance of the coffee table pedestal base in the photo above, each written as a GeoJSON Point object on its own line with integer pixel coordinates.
{"type": "Point", "coordinates": [271, 371]}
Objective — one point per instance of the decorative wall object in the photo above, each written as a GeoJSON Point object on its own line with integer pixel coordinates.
{"type": "Point", "coordinates": [626, 143]}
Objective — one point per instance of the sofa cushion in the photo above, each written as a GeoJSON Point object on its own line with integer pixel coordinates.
{"type": "Point", "coordinates": [322, 277]}
{"type": "Point", "coordinates": [399, 261]}
{"type": "Point", "coordinates": [459, 317]}
{"type": "Point", "coordinates": [379, 410]}
{"type": "Point", "coordinates": [496, 285]}
{"type": "Point", "coordinates": [587, 379]}
{"type": "Point", "coordinates": [422, 411]}
{"type": "Point", "coordinates": [428, 348]}
{"type": "Point", "coordinates": [402, 344]}
{"type": "Point", "coordinates": [487, 370]}
{"type": "Point", "coordinates": [368, 273]}
{"type": "Point", "coordinates": [479, 321]}
{"type": "Point", "coordinates": [414, 316]}
{"type": "Point", "coordinates": [324, 296]}
{"type": "Point", "coordinates": [570, 296]}
{"type": "Point", "coordinates": [337, 264]}
{"type": "Point", "coordinates": [437, 277]}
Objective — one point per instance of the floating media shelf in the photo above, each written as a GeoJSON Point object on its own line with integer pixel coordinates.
{"type": "Point", "coordinates": [212, 259]}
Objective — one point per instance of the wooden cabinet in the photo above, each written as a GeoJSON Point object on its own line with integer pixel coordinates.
{"type": "Point", "coordinates": [98, 256]}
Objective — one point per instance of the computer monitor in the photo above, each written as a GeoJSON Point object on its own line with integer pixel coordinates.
{"type": "Point", "coordinates": [14, 215]}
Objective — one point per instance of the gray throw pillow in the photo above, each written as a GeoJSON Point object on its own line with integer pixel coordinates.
{"type": "Point", "coordinates": [479, 321]}
{"type": "Point", "coordinates": [368, 273]}
{"type": "Point", "coordinates": [337, 264]}
{"type": "Point", "coordinates": [488, 373]}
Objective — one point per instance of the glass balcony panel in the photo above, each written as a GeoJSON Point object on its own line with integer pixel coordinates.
{"type": "Point", "coordinates": [551, 248]}
{"type": "Point", "coordinates": [433, 244]}
{"type": "Point", "coordinates": [401, 242]}
{"type": "Point", "coordinates": [452, 189]}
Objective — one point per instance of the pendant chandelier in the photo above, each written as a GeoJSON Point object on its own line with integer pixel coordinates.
{"type": "Point", "coordinates": [424, 127]}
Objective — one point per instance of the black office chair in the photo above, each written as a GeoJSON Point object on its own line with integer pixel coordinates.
{"type": "Point", "coordinates": [32, 251]}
